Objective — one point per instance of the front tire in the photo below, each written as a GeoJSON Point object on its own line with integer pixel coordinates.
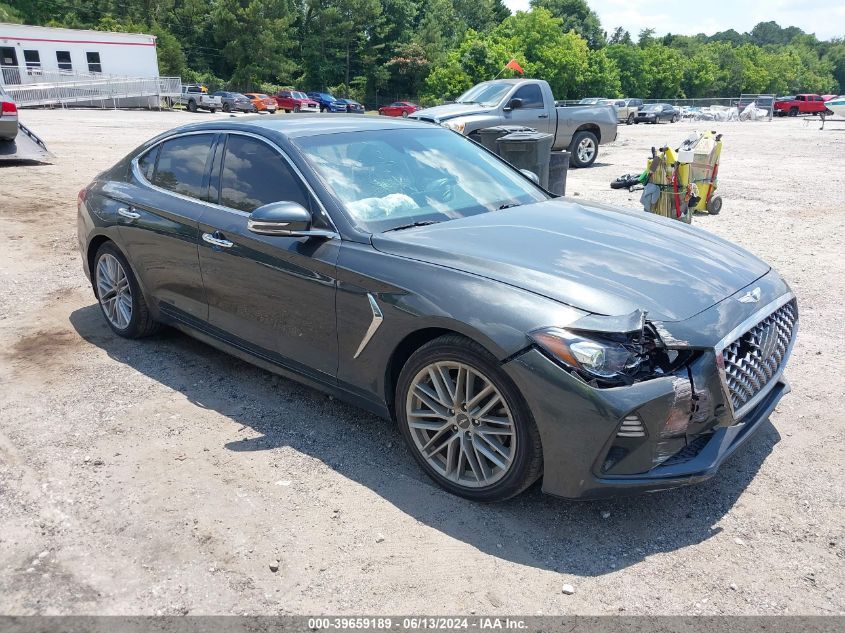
{"type": "Point", "coordinates": [465, 422]}
{"type": "Point", "coordinates": [630, 119]}
{"type": "Point", "coordinates": [584, 149]}
{"type": "Point", "coordinates": [119, 295]}
{"type": "Point", "coordinates": [715, 205]}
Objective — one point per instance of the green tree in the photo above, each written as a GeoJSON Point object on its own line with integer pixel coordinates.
{"type": "Point", "coordinates": [602, 76]}
{"type": "Point", "coordinates": [576, 15]}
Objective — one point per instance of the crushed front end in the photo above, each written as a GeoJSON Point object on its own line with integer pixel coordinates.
{"type": "Point", "coordinates": [698, 390]}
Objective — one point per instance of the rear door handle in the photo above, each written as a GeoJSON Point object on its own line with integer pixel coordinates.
{"type": "Point", "coordinates": [217, 241]}
{"type": "Point", "coordinates": [128, 213]}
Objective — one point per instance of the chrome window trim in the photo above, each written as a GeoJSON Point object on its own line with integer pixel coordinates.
{"type": "Point", "coordinates": [735, 333]}
{"type": "Point", "coordinates": [136, 170]}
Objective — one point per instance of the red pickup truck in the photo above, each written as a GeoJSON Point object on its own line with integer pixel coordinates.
{"type": "Point", "coordinates": [799, 104]}
{"type": "Point", "coordinates": [296, 101]}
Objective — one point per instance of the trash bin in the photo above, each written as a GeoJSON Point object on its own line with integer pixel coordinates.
{"type": "Point", "coordinates": [489, 135]}
{"type": "Point", "coordinates": [558, 167]}
{"type": "Point", "coordinates": [528, 150]}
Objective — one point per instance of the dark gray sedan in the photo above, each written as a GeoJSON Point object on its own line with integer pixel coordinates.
{"type": "Point", "coordinates": [405, 269]}
{"type": "Point", "coordinates": [657, 112]}
{"type": "Point", "coordinates": [234, 101]}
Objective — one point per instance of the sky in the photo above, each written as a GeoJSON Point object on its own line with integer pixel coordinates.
{"type": "Point", "coordinates": [825, 18]}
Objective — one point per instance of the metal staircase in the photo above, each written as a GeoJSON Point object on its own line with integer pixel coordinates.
{"type": "Point", "coordinates": [37, 87]}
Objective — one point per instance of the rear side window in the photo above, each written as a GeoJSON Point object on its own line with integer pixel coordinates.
{"type": "Point", "coordinates": [254, 174]}
{"type": "Point", "coordinates": [147, 163]}
{"type": "Point", "coordinates": [182, 163]}
{"type": "Point", "coordinates": [531, 96]}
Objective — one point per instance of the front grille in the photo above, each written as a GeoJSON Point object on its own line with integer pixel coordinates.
{"type": "Point", "coordinates": [755, 357]}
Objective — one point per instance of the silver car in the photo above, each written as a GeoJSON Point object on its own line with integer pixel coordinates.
{"type": "Point", "coordinates": [8, 117]}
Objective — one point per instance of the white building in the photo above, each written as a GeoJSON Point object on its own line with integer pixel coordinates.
{"type": "Point", "coordinates": [31, 49]}
{"type": "Point", "coordinates": [43, 65]}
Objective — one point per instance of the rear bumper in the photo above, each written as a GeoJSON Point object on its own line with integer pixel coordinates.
{"type": "Point", "coordinates": [578, 427]}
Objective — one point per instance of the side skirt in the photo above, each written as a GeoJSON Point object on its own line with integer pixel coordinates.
{"type": "Point", "coordinates": [270, 361]}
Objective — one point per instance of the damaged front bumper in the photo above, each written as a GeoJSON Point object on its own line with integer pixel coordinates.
{"type": "Point", "coordinates": [652, 435]}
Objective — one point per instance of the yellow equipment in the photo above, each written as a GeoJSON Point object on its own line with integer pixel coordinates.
{"type": "Point", "coordinates": [687, 178]}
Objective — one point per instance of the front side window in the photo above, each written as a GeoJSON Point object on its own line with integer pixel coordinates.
{"type": "Point", "coordinates": [254, 174]}
{"type": "Point", "coordinates": [182, 164]}
{"type": "Point", "coordinates": [94, 65]}
{"type": "Point", "coordinates": [389, 178]}
{"type": "Point", "coordinates": [531, 96]}
{"type": "Point", "coordinates": [63, 60]}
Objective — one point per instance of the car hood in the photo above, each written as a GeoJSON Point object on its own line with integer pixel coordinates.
{"type": "Point", "coordinates": [449, 111]}
{"type": "Point", "coordinates": [596, 258]}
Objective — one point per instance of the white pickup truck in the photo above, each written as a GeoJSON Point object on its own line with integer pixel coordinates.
{"type": "Point", "coordinates": [529, 102]}
{"type": "Point", "coordinates": [194, 98]}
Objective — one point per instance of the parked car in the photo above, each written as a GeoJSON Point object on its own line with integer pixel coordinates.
{"type": "Point", "coordinates": [8, 117]}
{"type": "Point", "coordinates": [327, 102]}
{"type": "Point", "coordinates": [235, 101]}
{"type": "Point", "coordinates": [196, 97]}
{"type": "Point", "coordinates": [657, 112]}
{"type": "Point", "coordinates": [296, 101]}
{"type": "Point", "coordinates": [626, 109]}
{"type": "Point", "coordinates": [262, 102]}
{"type": "Point", "coordinates": [352, 106]}
{"type": "Point", "coordinates": [801, 104]}
{"type": "Point", "coordinates": [288, 252]}
{"type": "Point", "coordinates": [591, 100]}
{"type": "Point", "coordinates": [528, 102]}
{"type": "Point", "coordinates": [398, 108]}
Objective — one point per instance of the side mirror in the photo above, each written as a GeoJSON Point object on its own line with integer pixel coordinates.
{"type": "Point", "coordinates": [530, 174]}
{"type": "Point", "coordinates": [513, 104]}
{"type": "Point", "coordinates": [280, 218]}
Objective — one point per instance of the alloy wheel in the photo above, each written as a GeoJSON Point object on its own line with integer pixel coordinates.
{"type": "Point", "coordinates": [114, 291]}
{"type": "Point", "coordinates": [586, 150]}
{"type": "Point", "coordinates": [461, 424]}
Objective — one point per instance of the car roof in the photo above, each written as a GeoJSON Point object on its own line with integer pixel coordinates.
{"type": "Point", "coordinates": [304, 125]}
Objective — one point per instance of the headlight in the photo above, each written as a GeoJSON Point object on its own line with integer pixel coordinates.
{"type": "Point", "coordinates": [600, 358]}
{"type": "Point", "coordinates": [455, 125]}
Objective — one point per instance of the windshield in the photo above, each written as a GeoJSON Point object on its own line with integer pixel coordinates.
{"type": "Point", "coordinates": [650, 107]}
{"type": "Point", "coordinates": [300, 95]}
{"type": "Point", "coordinates": [487, 94]}
{"type": "Point", "coordinates": [390, 178]}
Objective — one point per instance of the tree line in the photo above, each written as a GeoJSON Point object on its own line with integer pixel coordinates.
{"type": "Point", "coordinates": [431, 50]}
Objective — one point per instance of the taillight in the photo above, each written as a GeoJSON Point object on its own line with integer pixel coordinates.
{"type": "Point", "coordinates": [80, 197]}
{"type": "Point", "coordinates": [9, 107]}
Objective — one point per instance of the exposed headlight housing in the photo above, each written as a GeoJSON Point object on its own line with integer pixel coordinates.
{"type": "Point", "coordinates": [601, 358]}
{"type": "Point", "coordinates": [455, 126]}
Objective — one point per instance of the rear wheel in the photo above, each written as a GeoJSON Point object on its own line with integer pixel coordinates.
{"type": "Point", "coordinates": [465, 422]}
{"type": "Point", "coordinates": [584, 148]}
{"type": "Point", "coordinates": [192, 106]}
{"type": "Point", "coordinates": [120, 296]}
{"type": "Point", "coordinates": [676, 118]}
{"type": "Point", "coordinates": [404, 115]}
{"type": "Point", "coordinates": [226, 107]}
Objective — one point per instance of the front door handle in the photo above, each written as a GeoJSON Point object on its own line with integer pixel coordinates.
{"type": "Point", "coordinates": [543, 116]}
{"type": "Point", "coordinates": [217, 241]}
{"type": "Point", "coordinates": [128, 213]}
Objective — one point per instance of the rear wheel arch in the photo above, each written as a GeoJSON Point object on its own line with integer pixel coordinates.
{"type": "Point", "coordinates": [93, 246]}
{"type": "Point", "coordinates": [592, 128]}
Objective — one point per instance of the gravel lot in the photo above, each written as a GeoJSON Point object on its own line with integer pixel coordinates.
{"type": "Point", "coordinates": [164, 477]}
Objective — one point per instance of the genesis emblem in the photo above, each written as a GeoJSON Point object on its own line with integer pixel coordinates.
{"type": "Point", "coordinates": [752, 296]}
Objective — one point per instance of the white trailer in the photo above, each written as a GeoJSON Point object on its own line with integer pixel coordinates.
{"type": "Point", "coordinates": [40, 64]}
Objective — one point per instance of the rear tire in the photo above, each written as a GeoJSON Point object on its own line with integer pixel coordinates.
{"type": "Point", "coordinates": [500, 424]}
{"type": "Point", "coordinates": [584, 149]}
{"type": "Point", "coordinates": [226, 107]}
{"type": "Point", "coordinates": [119, 295]}
{"type": "Point", "coordinates": [192, 106]}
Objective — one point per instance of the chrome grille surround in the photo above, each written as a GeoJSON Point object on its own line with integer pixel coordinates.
{"type": "Point", "coordinates": [747, 375]}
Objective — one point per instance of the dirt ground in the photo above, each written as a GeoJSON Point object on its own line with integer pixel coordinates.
{"type": "Point", "coordinates": [164, 477]}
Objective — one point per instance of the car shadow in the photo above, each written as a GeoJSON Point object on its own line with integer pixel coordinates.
{"type": "Point", "coordinates": [581, 538]}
